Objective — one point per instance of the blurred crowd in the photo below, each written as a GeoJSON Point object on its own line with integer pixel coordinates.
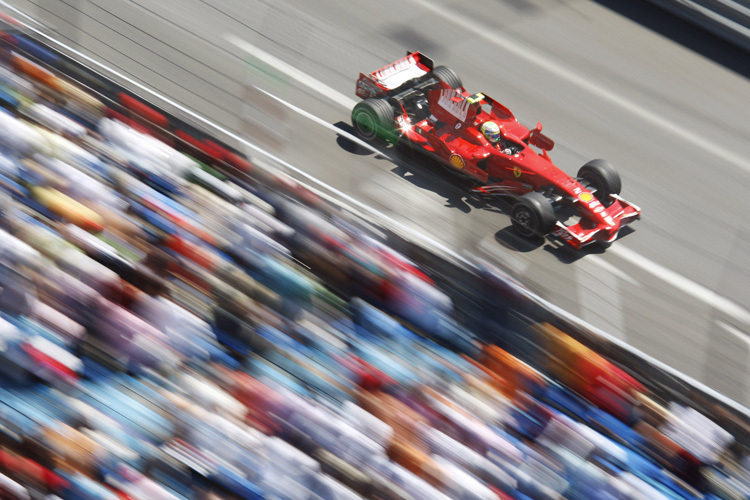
{"type": "Point", "coordinates": [170, 332]}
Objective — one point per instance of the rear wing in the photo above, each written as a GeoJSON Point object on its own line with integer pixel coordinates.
{"type": "Point", "coordinates": [380, 82]}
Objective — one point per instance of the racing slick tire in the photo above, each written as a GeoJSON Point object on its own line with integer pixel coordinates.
{"type": "Point", "coordinates": [533, 215]}
{"type": "Point", "coordinates": [373, 118]}
{"type": "Point", "coordinates": [447, 75]}
{"type": "Point", "coordinates": [601, 176]}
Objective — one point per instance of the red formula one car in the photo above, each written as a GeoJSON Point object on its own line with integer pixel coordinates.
{"type": "Point", "coordinates": [412, 101]}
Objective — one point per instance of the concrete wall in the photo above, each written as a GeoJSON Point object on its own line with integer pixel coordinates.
{"type": "Point", "coordinates": [729, 19]}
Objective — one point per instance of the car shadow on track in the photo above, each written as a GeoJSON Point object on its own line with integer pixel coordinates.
{"type": "Point", "coordinates": [508, 238]}
{"type": "Point", "coordinates": [347, 144]}
{"type": "Point", "coordinates": [425, 178]}
{"type": "Point", "coordinates": [567, 255]}
{"type": "Point", "coordinates": [418, 170]}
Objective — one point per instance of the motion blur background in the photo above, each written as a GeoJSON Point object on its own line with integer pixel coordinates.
{"type": "Point", "coordinates": [662, 99]}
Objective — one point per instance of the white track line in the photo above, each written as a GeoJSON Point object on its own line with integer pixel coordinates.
{"type": "Point", "coordinates": [743, 337]}
{"type": "Point", "coordinates": [569, 74]}
{"type": "Point", "coordinates": [613, 269]}
{"type": "Point", "coordinates": [325, 124]}
{"type": "Point", "coordinates": [292, 72]}
{"type": "Point", "coordinates": [695, 290]}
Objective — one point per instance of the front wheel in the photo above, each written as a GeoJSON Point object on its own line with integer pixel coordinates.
{"type": "Point", "coordinates": [601, 178]}
{"type": "Point", "coordinates": [372, 119]}
{"type": "Point", "coordinates": [532, 215]}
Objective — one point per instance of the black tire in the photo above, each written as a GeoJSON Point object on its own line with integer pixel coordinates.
{"type": "Point", "coordinates": [373, 118]}
{"type": "Point", "coordinates": [447, 75]}
{"type": "Point", "coordinates": [602, 178]}
{"type": "Point", "coordinates": [533, 215]}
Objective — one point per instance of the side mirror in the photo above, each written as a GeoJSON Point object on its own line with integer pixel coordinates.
{"type": "Point", "coordinates": [540, 140]}
{"type": "Point", "coordinates": [538, 127]}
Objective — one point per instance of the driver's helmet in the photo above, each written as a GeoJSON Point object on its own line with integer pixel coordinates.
{"type": "Point", "coordinates": [491, 131]}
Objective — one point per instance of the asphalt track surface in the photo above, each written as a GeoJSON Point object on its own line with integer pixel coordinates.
{"type": "Point", "coordinates": [616, 79]}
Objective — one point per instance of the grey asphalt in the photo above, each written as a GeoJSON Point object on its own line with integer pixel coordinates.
{"type": "Point", "coordinates": [674, 122]}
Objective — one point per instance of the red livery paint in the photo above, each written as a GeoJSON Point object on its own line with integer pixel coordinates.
{"type": "Point", "coordinates": [413, 102]}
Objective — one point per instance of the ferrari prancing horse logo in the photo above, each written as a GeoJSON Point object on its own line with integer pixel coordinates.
{"type": "Point", "coordinates": [517, 172]}
{"type": "Point", "coordinates": [457, 161]}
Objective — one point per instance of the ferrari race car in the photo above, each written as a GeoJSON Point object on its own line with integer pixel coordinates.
{"type": "Point", "coordinates": [413, 101]}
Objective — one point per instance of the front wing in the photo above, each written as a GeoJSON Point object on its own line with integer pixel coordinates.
{"type": "Point", "coordinates": [578, 237]}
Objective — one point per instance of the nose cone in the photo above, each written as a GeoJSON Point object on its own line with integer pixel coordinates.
{"type": "Point", "coordinates": [609, 222]}
{"type": "Point", "coordinates": [611, 233]}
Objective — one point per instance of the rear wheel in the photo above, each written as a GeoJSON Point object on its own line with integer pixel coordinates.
{"type": "Point", "coordinates": [447, 75]}
{"type": "Point", "coordinates": [533, 215]}
{"type": "Point", "coordinates": [373, 118]}
{"type": "Point", "coordinates": [601, 178]}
